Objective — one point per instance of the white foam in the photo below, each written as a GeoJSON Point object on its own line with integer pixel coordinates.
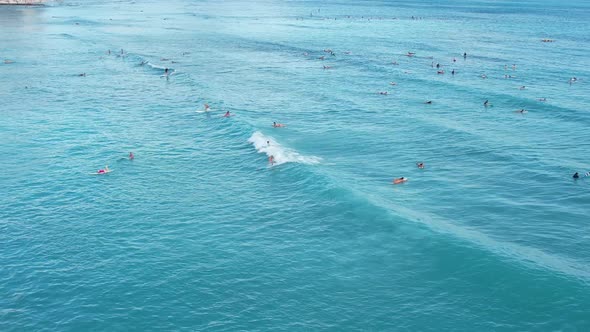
{"type": "Point", "coordinates": [281, 154]}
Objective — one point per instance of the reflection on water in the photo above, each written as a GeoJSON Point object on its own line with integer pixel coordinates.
{"type": "Point", "coordinates": [27, 18]}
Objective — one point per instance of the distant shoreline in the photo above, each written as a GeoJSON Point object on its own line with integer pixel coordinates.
{"type": "Point", "coordinates": [21, 2]}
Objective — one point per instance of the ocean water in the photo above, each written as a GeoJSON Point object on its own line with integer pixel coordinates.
{"type": "Point", "coordinates": [198, 232]}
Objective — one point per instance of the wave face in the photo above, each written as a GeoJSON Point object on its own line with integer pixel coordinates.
{"type": "Point", "coordinates": [199, 233]}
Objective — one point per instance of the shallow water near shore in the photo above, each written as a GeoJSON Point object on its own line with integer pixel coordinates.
{"type": "Point", "coordinates": [199, 232]}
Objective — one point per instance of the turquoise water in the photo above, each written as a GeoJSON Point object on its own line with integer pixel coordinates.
{"type": "Point", "coordinates": [198, 232]}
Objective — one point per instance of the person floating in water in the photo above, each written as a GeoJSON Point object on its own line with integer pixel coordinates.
{"type": "Point", "coordinates": [399, 180]}
{"type": "Point", "coordinates": [420, 165]}
{"type": "Point", "coordinates": [104, 170]}
{"type": "Point", "coordinates": [131, 156]}
{"type": "Point", "coordinates": [278, 125]}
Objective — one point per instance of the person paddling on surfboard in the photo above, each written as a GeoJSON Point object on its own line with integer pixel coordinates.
{"type": "Point", "coordinates": [278, 125]}
{"type": "Point", "coordinates": [131, 156]}
{"type": "Point", "coordinates": [400, 180]}
{"type": "Point", "coordinates": [227, 114]}
{"type": "Point", "coordinates": [104, 171]}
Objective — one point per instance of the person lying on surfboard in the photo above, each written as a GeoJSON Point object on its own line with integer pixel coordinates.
{"type": "Point", "coordinates": [400, 180]}
{"type": "Point", "coordinates": [278, 125]}
{"type": "Point", "coordinates": [104, 171]}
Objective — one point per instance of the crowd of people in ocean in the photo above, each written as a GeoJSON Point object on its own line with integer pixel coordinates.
{"type": "Point", "coordinates": [439, 70]}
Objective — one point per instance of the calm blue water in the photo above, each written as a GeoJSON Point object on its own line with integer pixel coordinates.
{"type": "Point", "coordinates": [198, 232]}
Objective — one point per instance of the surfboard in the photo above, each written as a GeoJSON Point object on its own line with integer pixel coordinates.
{"type": "Point", "coordinates": [205, 111]}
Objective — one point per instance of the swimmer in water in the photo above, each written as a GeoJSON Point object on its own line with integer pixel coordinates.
{"type": "Point", "coordinates": [104, 171]}
{"type": "Point", "coordinates": [453, 72]}
{"type": "Point", "coordinates": [82, 75]}
{"type": "Point", "coordinates": [278, 125]}
{"type": "Point", "coordinates": [542, 99]}
{"type": "Point", "coordinates": [576, 176]}
{"type": "Point", "coordinates": [420, 165]}
{"type": "Point", "coordinates": [522, 87]}
{"type": "Point", "coordinates": [399, 180]}
{"type": "Point", "coordinates": [131, 156]}
{"type": "Point", "coordinates": [392, 83]}
{"type": "Point", "coordinates": [440, 72]}
{"type": "Point", "coordinates": [383, 93]}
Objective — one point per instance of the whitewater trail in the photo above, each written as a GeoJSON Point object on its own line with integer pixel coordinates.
{"type": "Point", "coordinates": [282, 155]}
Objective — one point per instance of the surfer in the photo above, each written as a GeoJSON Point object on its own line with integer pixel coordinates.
{"type": "Point", "coordinates": [227, 114]}
{"type": "Point", "coordinates": [271, 160]}
{"type": "Point", "coordinates": [428, 102]}
{"type": "Point", "coordinates": [420, 165]}
{"type": "Point", "coordinates": [277, 125]}
{"type": "Point", "coordinates": [485, 103]}
{"type": "Point", "coordinates": [384, 93]}
{"type": "Point", "coordinates": [576, 175]}
{"type": "Point", "coordinates": [521, 111]}
{"type": "Point", "coordinates": [206, 107]}
{"type": "Point", "coordinates": [131, 156]}
{"type": "Point", "coordinates": [399, 180]}
{"type": "Point", "coordinates": [104, 170]}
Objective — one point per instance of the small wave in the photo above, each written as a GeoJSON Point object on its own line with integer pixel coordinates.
{"type": "Point", "coordinates": [281, 154]}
